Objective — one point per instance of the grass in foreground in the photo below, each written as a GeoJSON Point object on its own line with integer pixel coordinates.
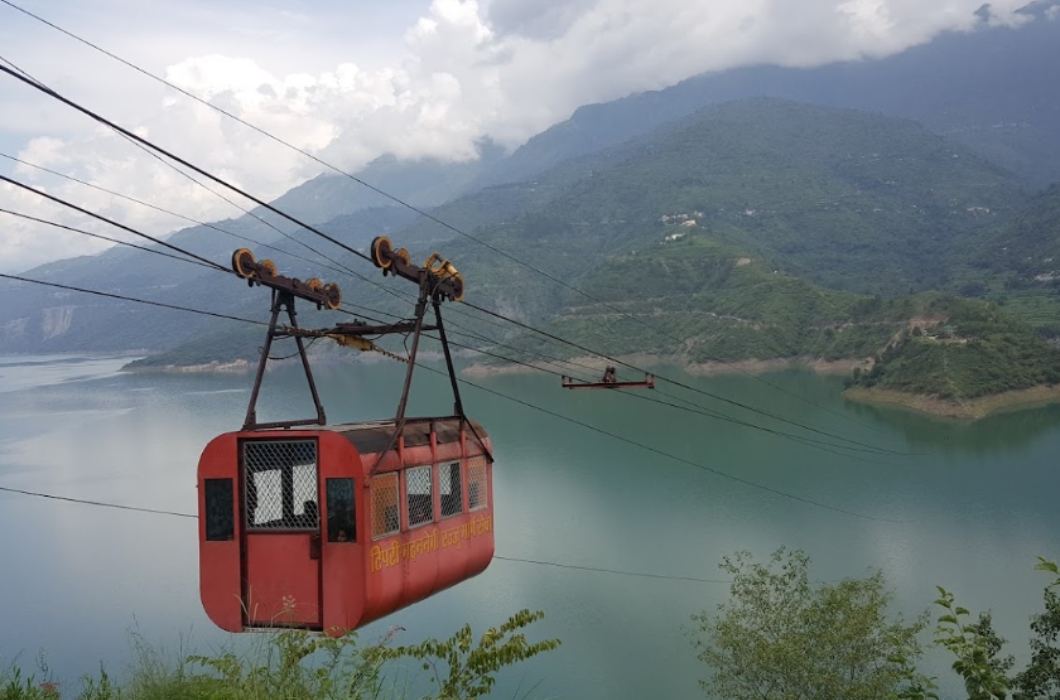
{"type": "Point", "coordinates": [296, 665]}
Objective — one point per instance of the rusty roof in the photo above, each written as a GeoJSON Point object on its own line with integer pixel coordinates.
{"type": "Point", "coordinates": [373, 436]}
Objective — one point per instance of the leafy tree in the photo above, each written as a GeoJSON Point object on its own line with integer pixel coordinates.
{"type": "Point", "coordinates": [781, 637]}
{"type": "Point", "coordinates": [1041, 678]}
{"type": "Point", "coordinates": [977, 648]}
{"type": "Point", "coordinates": [463, 669]}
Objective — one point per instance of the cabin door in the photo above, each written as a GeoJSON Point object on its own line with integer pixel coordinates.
{"type": "Point", "coordinates": [281, 548]}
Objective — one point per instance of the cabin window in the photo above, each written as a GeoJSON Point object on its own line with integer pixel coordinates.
{"type": "Point", "coordinates": [342, 517]}
{"type": "Point", "coordinates": [450, 490]}
{"type": "Point", "coordinates": [477, 496]}
{"type": "Point", "coordinates": [385, 519]}
{"type": "Point", "coordinates": [220, 523]}
{"type": "Point", "coordinates": [281, 484]}
{"type": "Point", "coordinates": [420, 495]}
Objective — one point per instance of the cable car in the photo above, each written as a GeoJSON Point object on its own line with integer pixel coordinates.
{"type": "Point", "coordinates": [328, 528]}
{"type": "Point", "coordinates": [608, 381]}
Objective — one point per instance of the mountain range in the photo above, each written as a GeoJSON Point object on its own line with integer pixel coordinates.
{"type": "Point", "coordinates": [694, 221]}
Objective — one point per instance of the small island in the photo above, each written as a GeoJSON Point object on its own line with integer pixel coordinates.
{"type": "Point", "coordinates": [975, 361]}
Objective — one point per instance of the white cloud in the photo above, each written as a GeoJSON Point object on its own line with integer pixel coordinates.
{"type": "Point", "coordinates": [506, 69]}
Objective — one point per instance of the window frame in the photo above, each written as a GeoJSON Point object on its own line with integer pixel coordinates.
{"type": "Point", "coordinates": [352, 538]}
{"type": "Point", "coordinates": [460, 481]}
{"type": "Point", "coordinates": [397, 503]}
{"type": "Point", "coordinates": [485, 495]}
{"type": "Point", "coordinates": [286, 474]}
{"type": "Point", "coordinates": [430, 481]}
{"type": "Point", "coordinates": [219, 492]}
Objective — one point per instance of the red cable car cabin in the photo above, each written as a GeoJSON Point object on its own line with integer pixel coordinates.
{"type": "Point", "coordinates": [294, 533]}
{"type": "Point", "coordinates": [331, 527]}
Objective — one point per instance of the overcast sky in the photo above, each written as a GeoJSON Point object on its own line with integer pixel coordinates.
{"type": "Point", "coordinates": [353, 79]}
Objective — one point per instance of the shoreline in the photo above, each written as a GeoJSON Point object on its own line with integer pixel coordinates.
{"type": "Point", "coordinates": [971, 410]}
{"type": "Point", "coordinates": [214, 367]}
{"type": "Point", "coordinates": [700, 369]}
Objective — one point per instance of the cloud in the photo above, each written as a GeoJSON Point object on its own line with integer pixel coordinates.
{"type": "Point", "coordinates": [463, 71]}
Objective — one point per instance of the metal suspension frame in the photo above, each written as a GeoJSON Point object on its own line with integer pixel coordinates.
{"type": "Point", "coordinates": [428, 292]}
{"type": "Point", "coordinates": [282, 300]}
{"type": "Point", "coordinates": [437, 280]}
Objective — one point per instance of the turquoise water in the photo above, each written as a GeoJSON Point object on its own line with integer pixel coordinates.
{"type": "Point", "coordinates": [975, 507]}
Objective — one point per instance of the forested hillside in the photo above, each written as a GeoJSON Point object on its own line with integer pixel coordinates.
{"type": "Point", "coordinates": [759, 229]}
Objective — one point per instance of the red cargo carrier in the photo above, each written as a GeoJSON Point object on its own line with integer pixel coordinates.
{"type": "Point", "coordinates": [295, 533]}
{"type": "Point", "coordinates": [328, 528]}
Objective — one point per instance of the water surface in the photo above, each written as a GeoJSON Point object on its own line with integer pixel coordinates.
{"type": "Point", "coordinates": [975, 507]}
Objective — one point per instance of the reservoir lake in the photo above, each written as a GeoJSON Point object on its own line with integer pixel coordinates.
{"type": "Point", "coordinates": [969, 510]}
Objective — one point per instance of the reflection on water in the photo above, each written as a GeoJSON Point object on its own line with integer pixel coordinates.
{"type": "Point", "coordinates": [1001, 432]}
{"type": "Point", "coordinates": [978, 505]}
{"type": "Point", "coordinates": [22, 373]}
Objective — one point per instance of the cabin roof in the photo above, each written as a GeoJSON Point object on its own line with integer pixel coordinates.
{"type": "Point", "coordinates": [372, 436]}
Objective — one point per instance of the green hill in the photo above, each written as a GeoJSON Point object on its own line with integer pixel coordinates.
{"type": "Point", "coordinates": [974, 350]}
{"type": "Point", "coordinates": [1017, 264]}
{"type": "Point", "coordinates": [846, 200]}
{"type": "Point", "coordinates": [761, 229]}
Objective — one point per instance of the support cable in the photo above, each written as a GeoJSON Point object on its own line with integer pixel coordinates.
{"type": "Point", "coordinates": [122, 297]}
{"type": "Point", "coordinates": [105, 238]}
{"type": "Point", "coordinates": [106, 122]}
{"type": "Point", "coordinates": [155, 511]}
{"type": "Point", "coordinates": [86, 212]}
{"type": "Point", "coordinates": [675, 458]}
{"type": "Point", "coordinates": [810, 442]}
{"type": "Point", "coordinates": [330, 264]}
{"type": "Point", "coordinates": [712, 395]}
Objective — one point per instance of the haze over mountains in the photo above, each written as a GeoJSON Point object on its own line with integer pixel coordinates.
{"type": "Point", "coordinates": [992, 90]}
{"type": "Point", "coordinates": [803, 210]}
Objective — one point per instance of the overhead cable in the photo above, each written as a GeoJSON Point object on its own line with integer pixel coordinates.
{"type": "Point", "coordinates": [86, 212]}
{"type": "Point", "coordinates": [676, 458]}
{"type": "Point", "coordinates": [122, 297]}
{"type": "Point", "coordinates": [106, 122]}
{"type": "Point", "coordinates": [698, 410]}
{"type": "Point", "coordinates": [118, 241]}
{"type": "Point", "coordinates": [697, 390]}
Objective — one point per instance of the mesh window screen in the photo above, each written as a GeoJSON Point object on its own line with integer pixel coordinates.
{"type": "Point", "coordinates": [449, 489]}
{"type": "Point", "coordinates": [281, 484]}
{"type": "Point", "coordinates": [385, 518]}
{"type": "Point", "coordinates": [477, 496]}
{"type": "Point", "coordinates": [418, 488]}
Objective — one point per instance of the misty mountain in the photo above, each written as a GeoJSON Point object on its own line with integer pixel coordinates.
{"type": "Point", "coordinates": [992, 90]}
{"type": "Point", "coordinates": [37, 316]}
{"type": "Point", "coordinates": [828, 199]}
{"type": "Point", "coordinates": [423, 183]}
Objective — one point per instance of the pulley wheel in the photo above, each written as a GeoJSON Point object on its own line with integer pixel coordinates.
{"type": "Point", "coordinates": [332, 295]}
{"type": "Point", "coordinates": [381, 248]}
{"type": "Point", "coordinates": [457, 281]}
{"type": "Point", "coordinates": [242, 260]}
